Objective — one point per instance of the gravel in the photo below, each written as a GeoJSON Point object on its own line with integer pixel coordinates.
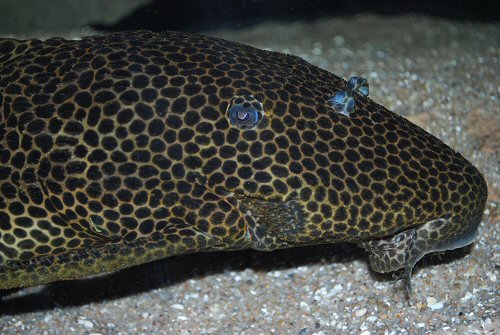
{"type": "Point", "coordinates": [441, 74]}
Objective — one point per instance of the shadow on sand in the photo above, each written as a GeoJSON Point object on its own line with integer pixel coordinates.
{"type": "Point", "coordinates": [174, 270]}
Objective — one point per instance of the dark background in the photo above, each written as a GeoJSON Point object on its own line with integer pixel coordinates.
{"type": "Point", "coordinates": [193, 15]}
{"type": "Point", "coordinates": [26, 17]}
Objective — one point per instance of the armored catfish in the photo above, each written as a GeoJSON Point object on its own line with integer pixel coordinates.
{"type": "Point", "coordinates": [118, 150]}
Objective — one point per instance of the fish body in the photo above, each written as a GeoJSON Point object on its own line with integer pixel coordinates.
{"type": "Point", "coordinates": [121, 149]}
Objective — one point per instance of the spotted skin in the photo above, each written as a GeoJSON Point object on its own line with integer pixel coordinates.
{"type": "Point", "coordinates": [117, 150]}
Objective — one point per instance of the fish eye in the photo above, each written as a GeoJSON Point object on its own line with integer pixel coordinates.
{"type": "Point", "coordinates": [342, 102]}
{"type": "Point", "coordinates": [245, 111]}
{"type": "Point", "coordinates": [359, 84]}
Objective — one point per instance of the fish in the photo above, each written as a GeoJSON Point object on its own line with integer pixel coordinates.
{"type": "Point", "coordinates": [122, 149]}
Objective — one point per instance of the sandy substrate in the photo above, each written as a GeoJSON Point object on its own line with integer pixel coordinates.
{"type": "Point", "coordinates": [443, 75]}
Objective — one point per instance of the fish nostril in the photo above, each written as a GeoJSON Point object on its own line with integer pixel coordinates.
{"type": "Point", "coordinates": [359, 84]}
{"type": "Point", "coordinates": [342, 102]}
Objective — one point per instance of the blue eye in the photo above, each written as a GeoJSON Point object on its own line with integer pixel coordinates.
{"type": "Point", "coordinates": [360, 84]}
{"type": "Point", "coordinates": [245, 111]}
{"type": "Point", "coordinates": [342, 102]}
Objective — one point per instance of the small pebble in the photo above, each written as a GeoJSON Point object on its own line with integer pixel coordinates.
{"type": "Point", "coordinates": [467, 296]}
{"type": "Point", "coordinates": [178, 307]}
{"type": "Point", "coordinates": [433, 304]}
{"type": "Point", "coordinates": [492, 276]}
{"type": "Point", "coordinates": [360, 312]}
{"type": "Point", "coordinates": [304, 306]}
{"type": "Point", "coordinates": [488, 325]}
{"type": "Point", "coordinates": [303, 331]}
{"type": "Point", "coordinates": [86, 323]}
